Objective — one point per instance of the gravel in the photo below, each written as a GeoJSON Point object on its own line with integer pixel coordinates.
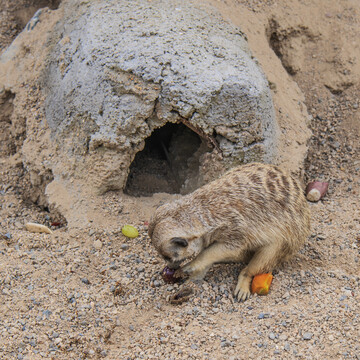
{"type": "Point", "coordinates": [308, 336]}
{"type": "Point", "coordinates": [71, 295]}
{"type": "Point", "coordinates": [99, 310]}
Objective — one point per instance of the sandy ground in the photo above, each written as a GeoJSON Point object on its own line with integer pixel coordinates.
{"type": "Point", "coordinates": [92, 293]}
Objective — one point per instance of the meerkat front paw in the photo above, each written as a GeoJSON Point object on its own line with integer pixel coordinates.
{"type": "Point", "coordinates": [242, 291]}
{"type": "Point", "coordinates": [184, 272]}
{"type": "Point", "coordinates": [179, 274]}
{"type": "Point", "coordinates": [192, 271]}
{"type": "Point", "coordinates": [242, 294]}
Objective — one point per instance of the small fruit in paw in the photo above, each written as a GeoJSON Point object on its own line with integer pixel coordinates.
{"type": "Point", "coordinates": [261, 284]}
{"type": "Point", "coordinates": [316, 190]}
{"type": "Point", "coordinates": [169, 275]}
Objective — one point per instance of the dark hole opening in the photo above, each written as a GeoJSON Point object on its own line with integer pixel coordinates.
{"type": "Point", "coordinates": [276, 42]}
{"type": "Point", "coordinates": [7, 140]}
{"type": "Point", "coordinates": [169, 162]}
{"type": "Point", "coordinates": [16, 14]}
{"type": "Point", "coordinates": [28, 8]}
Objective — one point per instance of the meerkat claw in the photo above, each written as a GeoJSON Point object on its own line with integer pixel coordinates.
{"type": "Point", "coordinates": [179, 273]}
{"type": "Point", "coordinates": [242, 294]}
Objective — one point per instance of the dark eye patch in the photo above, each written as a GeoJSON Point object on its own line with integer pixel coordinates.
{"type": "Point", "coordinates": [167, 258]}
{"type": "Point", "coordinates": [179, 241]}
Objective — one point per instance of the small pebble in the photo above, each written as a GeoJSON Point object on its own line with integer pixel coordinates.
{"type": "Point", "coordinates": [47, 313]}
{"type": "Point", "coordinates": [97, 244]}
{"type": "Point", "coordinates": [286, 295]}
{"type": "Point", "coordinates": [58, 341]}
{"type": "Point", "coordinates": [307, 336]}
{"type": "Point", "coordinates": [226, 343]}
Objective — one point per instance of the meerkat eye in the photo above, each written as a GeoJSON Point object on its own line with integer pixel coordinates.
{"type": "Point", "coordinates": [179, 241]}
{"type": "Point", "coordinates": [166, 258]}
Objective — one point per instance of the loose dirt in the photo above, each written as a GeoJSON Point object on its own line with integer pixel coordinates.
{"type": "Point", "coordinates": [89, 292]}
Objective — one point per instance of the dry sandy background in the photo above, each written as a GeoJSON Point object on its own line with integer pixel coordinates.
{"type": "Point", "coordinates": [92, 293]}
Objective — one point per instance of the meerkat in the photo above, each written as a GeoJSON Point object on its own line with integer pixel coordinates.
{"type": "Point", "coordinates": [255, 213]}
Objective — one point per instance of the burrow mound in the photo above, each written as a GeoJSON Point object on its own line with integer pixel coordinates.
{"type": "Point", "coordinates": [137, 96]}
{"type": "Point", "coordinates": [119, 75]}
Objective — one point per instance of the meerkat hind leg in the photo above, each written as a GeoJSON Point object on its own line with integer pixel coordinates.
{"type": "Point", "coordinates": [217, 252]}
{"type": "Point", "coordinates": [264, 260]}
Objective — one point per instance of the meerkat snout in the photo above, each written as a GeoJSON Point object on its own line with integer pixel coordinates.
{"type": "Point", "coordinates": [174, 254]}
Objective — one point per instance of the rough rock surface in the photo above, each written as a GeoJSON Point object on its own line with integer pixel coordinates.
{"type": "Point", "coordinates": [118, 71]}
{"type": "Point", "coordinates": [70, 100]}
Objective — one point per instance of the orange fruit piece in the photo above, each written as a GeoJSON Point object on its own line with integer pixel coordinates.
{"type": "Point", "coordinates": [261, 284]}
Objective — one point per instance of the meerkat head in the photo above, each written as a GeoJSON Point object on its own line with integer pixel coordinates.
{"type": "Point", "coordinates": [173, 243]}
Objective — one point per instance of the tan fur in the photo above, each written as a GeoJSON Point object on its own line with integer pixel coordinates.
{"type": "Point", "coordinates": [255, 213]}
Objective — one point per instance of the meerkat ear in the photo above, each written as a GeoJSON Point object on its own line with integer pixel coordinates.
{"type": "Point", "coordinates": [179, 241]}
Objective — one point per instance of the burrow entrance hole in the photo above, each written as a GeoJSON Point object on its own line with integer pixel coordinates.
{"type": "Point", "coordinates": [168, 163]}
{"type": "Point", "coordinates": [28, 8]}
